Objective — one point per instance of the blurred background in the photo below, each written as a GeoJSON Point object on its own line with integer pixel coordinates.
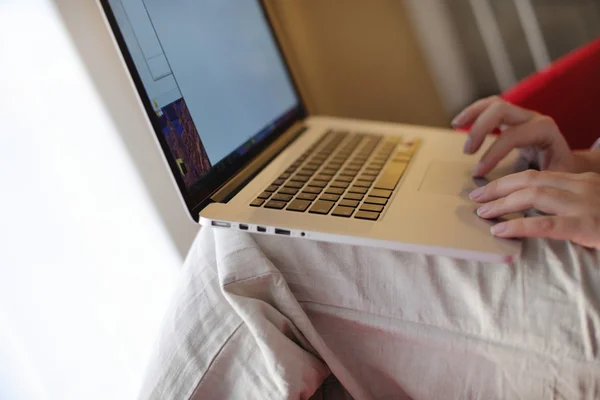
{"type": "Point", "coordinates": [92, 233]}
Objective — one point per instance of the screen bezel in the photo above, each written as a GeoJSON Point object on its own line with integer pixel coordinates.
{"type": "Point", "coordinates": [199, 197]}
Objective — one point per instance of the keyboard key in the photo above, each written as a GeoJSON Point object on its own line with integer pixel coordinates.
{"type": "Point", "coordinates": [354, 196]}
{"type": "Point", "coordinates": [272, 188]}
{"type": "Point", "coordinates": [390, 176]}
{"type": "Point", "coordinates": [381, 193]}
{"type": "Point", "coordinates": [334, 165]}
{"type": "Point", "coordinates": [299, 205]}
{"type": "Point", "coordinates": [341, 211]}
{"type": "Point", "coordinates": [290, 170]}
{"type": "Point", "coordinates": [347, 172]}
{"type": "Point", "coordinates": [358, 189]}
{"type": "Point", "coordinates": [305, 172]}
{"type": "Point", "coordinates": [282, 197]}
{"type": "Point", "coordinates": [338, 184]}
{"type": "Point", "coordinates": [322, 207]}
{"type": "Point", "coordinates": [330, 197]}
{"type": "Point", "coordinates": [329, 171]}
{"type": "Point", "coordinates": [257, 203]}
{"type": "Point", "coordinates": [345, 178]}
{"type": "Point", "coordinates": [310, 168]}
{"type": "Point", "coordinates": [318, 183]}
{"type": "Point", "coordinates": [264, 195]}
{"type": "Point", "coordinates": [313, 189]}
{"type": "Point", "coordinates": [376, 200]}
{"type": "Point", "coordinates": [366, 184]}
{"type": "Point", "coordinates": [294, 185]}
{"type": "Point", "coordinates": [300, 178]}
{"type": "Point", "coordinates": [324, 177]}
{"type": "Point", "coordinates": [306, 196]}
{"type": "Point", "coordinates": [287, 190]}
{"type": "Point", "coordinates": [285, 176]}
{"type": "Point", "coordinates": [349, 203]}
{"type": "Point", "coordinates": [367, 177]}
{"type": "Point", "coordinates": [277, 205]}
{"type": "Point", "coordinates": [371, 207]}
{"type": "Point", "coordinates": [279, 182]}
{"type": "Point", "coordinates": [333, 190]}
{"type": "Point", "coordinates": [368, 215]}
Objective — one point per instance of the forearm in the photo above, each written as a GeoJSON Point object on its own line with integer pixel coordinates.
{"type": "Point", "coordinates": [587, 160]}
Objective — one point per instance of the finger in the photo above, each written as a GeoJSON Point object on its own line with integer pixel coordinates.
{"type": "Point", "coordinates": [545, 199]}
{"type": "Point", "coordinates": [511, 183]}
{"type": "Point", "coordinates": [470, 114]}
{"type": "Point", "coordinates": [559, 228]}
{"type": "Point", "coordinates": [497, 114]}
{"type": "Point", "coordinates": [537, 132]}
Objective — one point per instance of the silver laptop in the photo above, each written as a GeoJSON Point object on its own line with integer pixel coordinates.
{"type": "Point", "coordinates": [246, 155]}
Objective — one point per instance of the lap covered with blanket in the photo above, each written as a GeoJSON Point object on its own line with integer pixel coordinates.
{"type": "Point", "coordinates": [260, 317]}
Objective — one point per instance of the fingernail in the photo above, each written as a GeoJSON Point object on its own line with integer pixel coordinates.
{"type": "Point", "coordinates": [484, 209]}
{"type": "Point", "coordinates": [478, 169]}
{"type": "Point", "coordinates": [498, 228]}
{"type": "Point", "coordinates": [477, 193]}
{"type": "Point", "coordinates": [467, 148]}
{"type": "Point", "coordinates": [457, 121]}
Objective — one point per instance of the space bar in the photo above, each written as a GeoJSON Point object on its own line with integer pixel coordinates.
{"type": "Point", "coordinates": [391, 175]}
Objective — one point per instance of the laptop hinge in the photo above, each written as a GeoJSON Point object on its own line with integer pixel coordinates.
{"type": "Point", "coordinates": [238, 181]}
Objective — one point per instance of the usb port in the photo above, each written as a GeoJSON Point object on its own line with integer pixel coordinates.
{"type": "Point", "coordinates": [261, 229]}
{"type": "Point", "coordinates": [282, 232]}
{"type": "Point", "coordinates": [243, 227]}
{"type": "Point", "coordinates": [221, 224]}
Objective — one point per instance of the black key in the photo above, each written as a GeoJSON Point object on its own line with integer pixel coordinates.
{"type": "Point", "coordinates": [345, 178]}
{"type": "Point", "coordinates": [264, 195]}
{"type": "Point", "coordinates": [257, 203]}
{"type": "Point", "coordinates": [272, 188]}
{"type": "Point", "coordinates": [358, 189]}
{"type": "Point", "coordinates": [332, 190]}
{"type": "Point", "coordinates": [330, 197]}
{"type": "Point", "coordinates": [353, 167]}
{"type": "Point", "coordinates": [279, 182]}
{"type": "Point", "coordinates": [299, 205]}
{"type": "Point", "coordinates": [287, 190]}
{"type": "Point", "coordinates": [368, 215]}
{"type": "Point", "coordinates": [341, 211]}
{"type": "Point", "coordinates": [376, 200]}
{"type": "Point", "coordinates": [317, 183]}
{"type": "Point", "coordinates": [338, 184]}
{"type": "Point", "coordinates": [335, 166]}
{"type": "Point", "coordinates": [300, 178]}
{"type": "Point", "coordinates": [354, 196]}
{"type": "Point", "coordinates": [347, 172]}
{"type": "Point", "coordinates": [371, 207]}
{"type": "Point", "coordinates": [295, 165]}
{"type": "Point", "coordinates": [381, 193]}
{"type": "Point", "coordinates": [312, 164]}
{"type": "Point", "coordinates": [305, 172]}
{"type": "Point", "coordinates": [313, 189]}
{"type": "Point", "coordinates": [366, 177]}
{"type": "Point", "coordinates": [349, 203]}
{"type": "Point", "coordinates": [306, 196]}
{"type": "Point", "coordinates": [377, 165]}
{"type": "Point", "coordinates": [278, 205]}
{"type": "Point", "coordinates": [329, 171]}
{"type": "Point", "coordinates": [390, 176]}
{"type": "Point", "coordinates": [282, 197]}
{"type": "Point", "coordinates": [322, 207]}
{"type": "Point", "coordinates": [310, 168]}
{"type": "Point", "coordinates": [285, 176]}
{"type": "Point", "coordinates": [290, 170]}
{"type": "Point", "coordinates": [372, 171]}
{"type": "Point", "coordinates": [294, 185]}
{"type": "Point", "coordinates": [324, 177]}
{"type": "Point", "coordinates": [365, 184]}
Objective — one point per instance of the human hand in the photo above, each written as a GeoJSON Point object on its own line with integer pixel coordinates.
{"type": "Point", "coordinates": [571, 200]}
{"type": "Point", "coordinates": [535, 135]}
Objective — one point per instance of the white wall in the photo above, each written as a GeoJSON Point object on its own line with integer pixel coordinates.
{"type": "Point", "coordinates": [86, 263]}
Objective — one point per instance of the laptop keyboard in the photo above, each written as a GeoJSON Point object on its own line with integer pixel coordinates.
{"type": "Point", "coordinates": [343, 175]}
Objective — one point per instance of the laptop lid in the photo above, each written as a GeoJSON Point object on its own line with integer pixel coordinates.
{"type": "Point", "coordinates": [213, 81]}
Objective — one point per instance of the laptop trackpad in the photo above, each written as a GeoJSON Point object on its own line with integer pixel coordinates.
{"type": "Point", "coordinates": [456, 178]}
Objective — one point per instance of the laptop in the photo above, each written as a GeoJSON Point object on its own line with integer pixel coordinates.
{"type": "Point", "coordinates": [246, 155]}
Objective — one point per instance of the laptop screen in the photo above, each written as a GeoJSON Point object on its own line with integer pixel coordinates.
{"type": "Point", "coordinates": [213, 74]}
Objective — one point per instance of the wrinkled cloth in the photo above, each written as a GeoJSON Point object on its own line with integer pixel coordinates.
{"type": "Point", "coordinates": [260, 317]}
